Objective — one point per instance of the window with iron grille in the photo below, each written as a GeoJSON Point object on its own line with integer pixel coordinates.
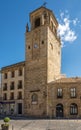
{"type": "Point", "coordinates": [73, 92]}
{"type": "Point", "coordinates": [19, 95]}
{"type": "Point", "coordinates": [73, 109]}
{"type": "Point", "coordinates": [5, 96]}
{"type": "Point", "coordinates": [19, 84]}
{"type": "Point", "coordinates": [20, 72]}
{"type": "Point", "coordinates": [59, 93]}
{"type": "Point", "coordinates": [12, 74]}
{"type": "Point", "coordinates": [5, 76]}
{"type": "Point", "coordinates": [12, 86]}
{"type": "Point", "coordinates": [5, 87]}
{"type": "Point", "coordinates": [12, 96]}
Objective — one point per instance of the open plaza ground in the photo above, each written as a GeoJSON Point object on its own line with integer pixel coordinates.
{"type": "Point", "coordinates": [44, 124]}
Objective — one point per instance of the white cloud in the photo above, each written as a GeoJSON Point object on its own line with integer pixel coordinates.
{"type": "Point", "coordinates": [70, 36]}
{"type": "Point", "coordinates": [62, 15]}
{"type": "Point", "coordinates": [75, 21]}
{"type": "Point", "coordinates": [65, 30]}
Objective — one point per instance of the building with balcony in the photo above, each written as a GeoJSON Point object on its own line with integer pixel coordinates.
{"type": "Point", "coordinates": [13, 89]}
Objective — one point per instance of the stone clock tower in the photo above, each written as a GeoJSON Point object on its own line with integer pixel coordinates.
{"type": "Point", "coordinates": [43, 60]}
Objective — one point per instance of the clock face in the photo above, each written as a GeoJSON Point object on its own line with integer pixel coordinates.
{"type": "Point", "coordinates": [35, 45]}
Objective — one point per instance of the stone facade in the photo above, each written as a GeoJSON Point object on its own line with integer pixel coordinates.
{"type": "Point", "coordinates": [43, 76]}
{"type": "Point", "coordinates": [68, 100]}
{"type": "Point", "coordinates": [45, 91]}
{"type": "Point", "coordinates": [12, 89]}
{"type": "Point", "coordinates": [42, 49]}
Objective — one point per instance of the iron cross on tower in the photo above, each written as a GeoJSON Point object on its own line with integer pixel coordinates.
{"type": "Point", "coordinates": [45, 3]}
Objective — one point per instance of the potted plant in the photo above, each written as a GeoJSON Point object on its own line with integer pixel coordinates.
{"type": "Point", "coordinates": [5, 126]}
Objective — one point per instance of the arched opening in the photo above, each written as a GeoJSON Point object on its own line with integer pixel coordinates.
{"type": "Point", "coordinates": [73, 109]}
{"type": "Point", "coordinates": [59, 110]}
{"type": "Point", "coordinates": [34, 98]}
{"type": "Point", "coordinates": [37, 22]}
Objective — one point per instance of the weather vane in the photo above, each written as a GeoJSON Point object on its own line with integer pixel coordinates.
{"type": "Point", "coordinates": [44, 4]}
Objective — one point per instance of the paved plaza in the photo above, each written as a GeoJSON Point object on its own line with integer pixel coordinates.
{"type": "Point", "coordinates": [25, 124]}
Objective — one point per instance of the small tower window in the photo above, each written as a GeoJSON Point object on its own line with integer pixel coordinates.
{"type": "Point", "coordinates": [37, 22]}
{"type": "Point", "coordinates": [42, 42]}
{"type": "Point", "coordinates": [28, 47]}
{"type": "Point", "coordinates": [45, 15]}
{"type": "Point", "coordinates": [5, 76]}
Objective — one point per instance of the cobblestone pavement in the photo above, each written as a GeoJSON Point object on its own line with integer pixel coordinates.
{"type": "Point", "coordinates": [24, 124]}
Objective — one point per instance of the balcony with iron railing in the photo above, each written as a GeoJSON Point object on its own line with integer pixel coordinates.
{"type": "Point", "coordinates": [19, 86]}
{"type": "Point", "coordinates": [5, 88]}
{"type": "Point", "coordinates": [4, 98]}
{"type": "Point", "coordinates": [59, 96]}
{"type": "Point", "coordinates": [11, 97]}
{"type": "Point", "coordinates": [19, 97]}
{"type": "Point", "coordinates": [12, 87]}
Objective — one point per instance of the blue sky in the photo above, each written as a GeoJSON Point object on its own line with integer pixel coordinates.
{"type": "Point", "coordinates": [14, 15]}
